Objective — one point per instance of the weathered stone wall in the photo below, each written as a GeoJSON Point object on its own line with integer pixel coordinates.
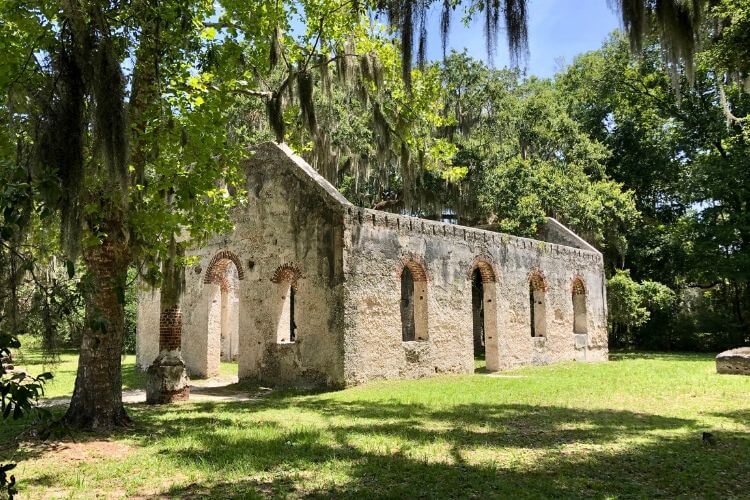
{"type": "Point", "coordinates": [230, 322]}
{"type": "Point", "coordinates": [343, 265]}
{"type": "Point", "coordinates": [377, 244]}
{"type": "Point", "coordinates": [147, 327]}
{"type": "Point", "coordinates": [290, 233]}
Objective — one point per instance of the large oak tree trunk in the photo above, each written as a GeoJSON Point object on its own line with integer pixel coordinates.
{"type": "Point", "coordinates": [97, 397]}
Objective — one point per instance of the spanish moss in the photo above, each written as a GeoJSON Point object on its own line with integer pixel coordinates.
{"type": "Point", "coordinates": [61, 143]}
{"type": "Point", "coordinates": [678, 22]}
{"type": "Point", "coordinates": [406, 16]}
{"type": "Point", "coordinates": [276, 116]}
{"type": "Point", "coordinates": [306, 103]}
{"type": "Point", "coordinates": [111, 124]}
{"type": "Point", "coordinates": [445, 25]}
{"type": "Point", "coordinates": [275, 48]}
{"type": "Point", "coordinates": [517, 30]}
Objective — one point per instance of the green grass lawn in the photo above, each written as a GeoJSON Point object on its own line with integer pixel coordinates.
{"type": "Point", "coordinates": [628, 428]}
{"type": "Point", "coordinates": [65, 364]}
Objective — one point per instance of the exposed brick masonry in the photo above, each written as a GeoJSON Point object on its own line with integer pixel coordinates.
{"type": "Point", "coordinates": [217, 268]}
{"type": "Point", "coordinates": [416, 265]}
{"type": "Point", "coordinates": [486, 269]}
{"type": "Point", "coordinates": [537, 281]}
{"type": "Point", "coordinates": [578, 288]}
{"type": "Point", "coordinates": [170, 329]}
{"type": "Point", "coordinates": [288, 273]}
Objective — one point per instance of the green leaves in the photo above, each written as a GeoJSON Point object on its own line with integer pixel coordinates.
{"type": "Point", "coordinates": [630, 305]}
{"type": "Point", "coordinates": [531, 158]}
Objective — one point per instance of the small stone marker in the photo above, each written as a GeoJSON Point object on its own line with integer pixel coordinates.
{"type": "Point", "coordinates": [734, 361]}
{"type": "Point", "coordinates": [167, 380]}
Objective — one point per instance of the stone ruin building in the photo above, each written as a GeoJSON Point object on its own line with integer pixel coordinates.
{"type": "Point", "coordinates": [310, 290]}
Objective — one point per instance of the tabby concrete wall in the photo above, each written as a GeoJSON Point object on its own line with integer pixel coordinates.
{"type": "Point", "coordinates": [344, 263]}
{"type": "Point", "coordinates": [376, 246]}
{"type": "Point", "coordinates": [147, 327]}
{"type": "Point", "coordinates": [289, 234]}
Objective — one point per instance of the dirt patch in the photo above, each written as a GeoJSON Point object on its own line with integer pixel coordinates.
{"type": "Point", "coordinates": [86, 451]}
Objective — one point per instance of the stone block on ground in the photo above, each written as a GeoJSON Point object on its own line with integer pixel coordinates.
{"type": "Point", "coordinates": [167, 380]}
{"type": "Point", "coordinates": [734, 361]}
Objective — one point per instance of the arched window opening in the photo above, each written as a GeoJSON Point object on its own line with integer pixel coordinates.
{"type": "Point", "coordinates": [221, 341]}
{"type": "Point", "coordinates": [477, 310]}
{"type": "Point", "coordinates": [537, 306]}
{"type": "Point", "coordinates": [287, 278]}
{"type": "Point", "coordinates": [484, 312]}
{"type": "Point", "coordinates": [286, 330]}
{"type": "Point", "coordinates": [407, 306]}
{"type": "Point", "coordinates": [413, 303]}
{"type": "Point", "coordinates": [580, 319]}
{"type": "Point", "coordinates": [230, 315]}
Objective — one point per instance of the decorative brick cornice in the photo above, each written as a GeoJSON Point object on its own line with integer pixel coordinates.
{"type": "Point", "coordinates": [412, 225]}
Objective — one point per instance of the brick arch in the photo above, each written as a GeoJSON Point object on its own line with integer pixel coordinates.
{"type": "Point", "coordinates": [287, 273]}
{"type": "Point", "coordinates": [578, 286]}
{"type": "Point", "coordinates": [217, 268]}
{"type": "Point", "coordinates": [486, 269]}
{"type": "Point", "coordinates": [416, 265]}
{"type": "Point", "coordinates": [537, 281]}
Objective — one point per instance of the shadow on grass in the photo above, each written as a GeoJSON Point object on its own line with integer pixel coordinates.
{"type": "Point", "coordinates": [660, 356]}
{"type": "Point", "coordinates": [739, 416]}
{"type": "Point", "coordinates": [557, 440]}
{"type": "Point", "coordinates": [480, 363]}
{"type": "Point", "coordinates": [649, 471]}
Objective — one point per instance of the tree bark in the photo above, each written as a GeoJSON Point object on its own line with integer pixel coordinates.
{"type": "Point", "coordinates": [145, 93]}
{"type": "Point", "coordinates": [167, 376]}
{"type": "Point", "coordinates": [97, 398]}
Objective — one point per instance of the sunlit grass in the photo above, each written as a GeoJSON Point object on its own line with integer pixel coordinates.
{"type": "Point", "coordinates": [628, 428]}
{"type": "Point", "coordinates": [64, 365]}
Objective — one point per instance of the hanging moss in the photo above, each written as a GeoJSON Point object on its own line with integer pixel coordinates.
{"type": "Point", "coordinates": [678, 21]}
{"type": "Point", "coordinates": [305, 87]}
{"type": "Point", "coordinates": [445, 25]}
{"type": "Point", "coordinates": [59, 149]}
{"type": "Point", "coordinates": [111, 123]}
{"type": "Point", "coordinates": [516, 29]}
{"type": "Point", "coordinates": [275, 48]}
{"type": "Point", "coordinates": [406, 15]}
{"type": "Point", "coordinates": [276, 116]}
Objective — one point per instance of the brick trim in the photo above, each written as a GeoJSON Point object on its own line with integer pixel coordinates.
{"type": "Point", "coordinates": [217, 267]}
{"type": "Point", "coordinates": [416, 265]}
{"type": "Point", "coordinates": [287, 272]}
{"type": "Point", "coordinates": [486, 269]}
{"type": "Point", "coordinates": [537, 281]}
{"type": "Point", "coordinates": [578, 286]}
{"type": "Point", "coordinates": [170, 329]}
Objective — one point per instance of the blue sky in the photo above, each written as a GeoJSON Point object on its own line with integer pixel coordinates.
{"type": "Point", "coordinates": [558, 31]}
